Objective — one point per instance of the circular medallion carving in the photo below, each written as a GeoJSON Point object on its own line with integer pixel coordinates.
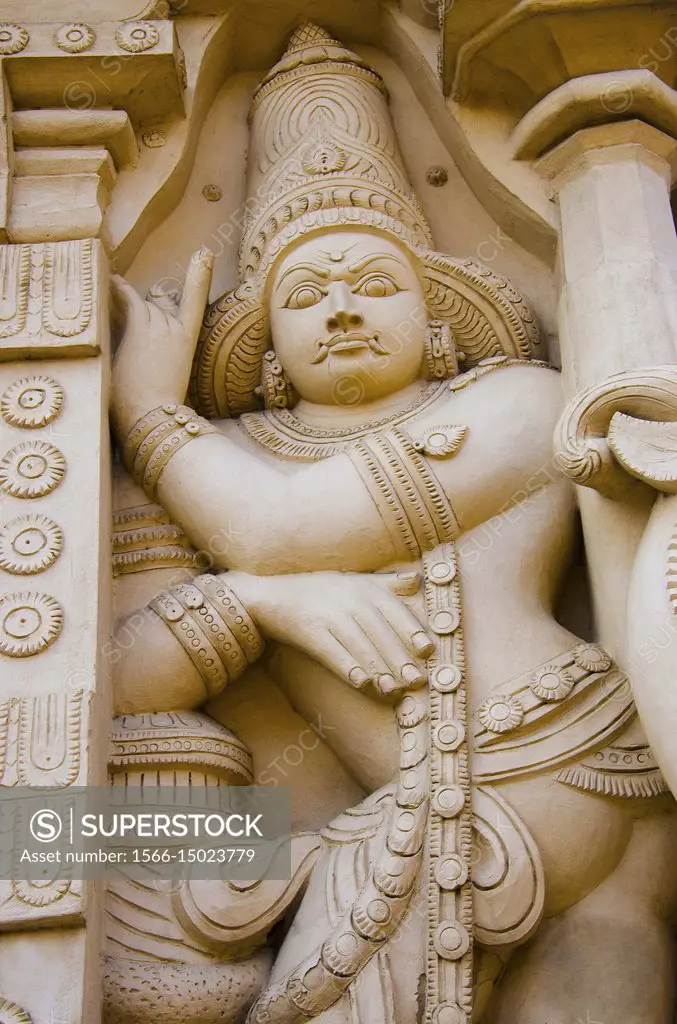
{"type": "Point", "coordinates": [451, 872]}
{"type": "Point", "coordinates": [13, 38]}
{"type": "Point", "coordinates": [324, 158]}
{"type": "Point", "coordinates": [29, 544]}
{"type": "Point", "coordinates": [442, 573]}
{"type": "Point", "coordinates": [448, 736]}
{"type": "Point", "coordinates": [29, 623]}
{"type": "Point", "coordinates": [449, 1013]}
{"type": "Point", "coordinates": [452, 940]}
{"type": "Point", "coordinates": [75, 38]}
{"type": "Point", "coordinates": [552, 683]}
{"type": "Point", "coordinates": [137, 36]}
{"type": "Point", "coordinates": [32, 402]}
{"type": "Point", "coordinates": [32, 470]}
{"type": "Point", "coordinates": [447, 678]}
{"type": "Point", "coordinates": [592, 658]}
{"type": "Point", "coordinates": [448, 801]}
{"type": "Point", "coordinates": [445, 621]}
{"type": "Point", "coordinates": [501, 714]}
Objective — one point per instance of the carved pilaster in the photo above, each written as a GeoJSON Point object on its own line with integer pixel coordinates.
{"type": "Point", "coordinates": [54, 570]}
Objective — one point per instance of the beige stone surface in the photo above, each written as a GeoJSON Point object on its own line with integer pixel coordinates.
{"type": "Point", "coordinates": [347, 484]}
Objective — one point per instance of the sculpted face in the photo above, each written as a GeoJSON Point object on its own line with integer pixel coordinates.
{"type": "Point", "coordinates": [348, 317]}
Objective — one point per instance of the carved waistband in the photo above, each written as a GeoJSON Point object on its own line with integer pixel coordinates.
{"type": "Point", "coordinates": [565, 708]}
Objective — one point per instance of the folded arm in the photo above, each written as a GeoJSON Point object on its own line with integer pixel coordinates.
{"type": "Point", "coordinates": [193, 640]}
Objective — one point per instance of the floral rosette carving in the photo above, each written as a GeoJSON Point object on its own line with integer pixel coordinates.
{"type": "Point", "coordinates": [29, 623]}
{"type": "Point", "coordinates": [13, 38]}
{"type": "Point", "coordinates": [29, 544]}
{"type": "Point", "coordinates": [32, 470]}
{"type": "Point", "coordinates": [325, 157]}
{"type": "Point", "coordinates": [11, 1013]}
{"type": "Point", "coordinates": [552, 683]}
{"type": "Point", "coordinates": [501, 714]}
{"type": "Point", "coordinates": [137, 36]}
{"type": "Point", "coordinates": [592, 658]}
{"type": "Point", "coordinates": [75, 37]}
{"type": "Point", "coordinates": [32, 402]}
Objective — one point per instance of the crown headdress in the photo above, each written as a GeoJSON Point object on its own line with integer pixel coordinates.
{"type": "Point", "coordinates": [323, 152]}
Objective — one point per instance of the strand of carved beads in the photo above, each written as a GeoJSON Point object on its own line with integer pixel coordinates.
{"type": "Point", "coordinates": [276, 388]}
{"type": "Point", "coordinates": [441, 360]}
{"type": "Point", "coordinates": [450, 920]}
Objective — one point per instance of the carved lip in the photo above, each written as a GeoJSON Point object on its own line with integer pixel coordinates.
{"type": "Point", "coordinates": [351, 342]}
{"type": "Point", "coordinates": [350, 345]}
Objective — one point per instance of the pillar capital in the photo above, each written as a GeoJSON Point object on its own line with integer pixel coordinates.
{"type": "Point", "coordinates": [607, 145]}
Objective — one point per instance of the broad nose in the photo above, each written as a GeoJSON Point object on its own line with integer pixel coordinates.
{"type": "Point", "coordinates": [343, 313]}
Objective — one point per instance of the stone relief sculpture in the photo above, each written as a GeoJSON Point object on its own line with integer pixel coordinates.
{"type": "Point", "coordinates": [393, 519]}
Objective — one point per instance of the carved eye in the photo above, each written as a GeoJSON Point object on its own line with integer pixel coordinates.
{"type": "Point", "coordinates": [304, 296]}
{"type": "Point", "coordinates": [377, 286]}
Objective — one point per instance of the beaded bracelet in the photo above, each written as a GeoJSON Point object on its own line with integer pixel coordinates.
{"type": "Point", "coordinates": [213, 627]}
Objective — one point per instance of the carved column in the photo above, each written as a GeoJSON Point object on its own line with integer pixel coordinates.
{"type": "Point", "coordinates": [59, 161]}
{"type": "Point", "coordinates": [618, 305]}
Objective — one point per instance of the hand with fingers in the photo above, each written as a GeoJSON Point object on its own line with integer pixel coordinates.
{"type": "Point", "coordinates": [348, 621]}
{"type": "Point", "coordinates": [153, 362]}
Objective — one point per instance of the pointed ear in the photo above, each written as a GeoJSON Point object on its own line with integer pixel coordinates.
{"type": "Point", "coordinates": [487, 315]}
{"type": "Point", "coordinates": [227, 365]}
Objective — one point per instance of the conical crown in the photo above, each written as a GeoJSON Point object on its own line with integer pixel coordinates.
{"type": "Point", "coordinates": [323, 153]}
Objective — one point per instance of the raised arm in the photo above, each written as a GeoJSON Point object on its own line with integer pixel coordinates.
{"type": "Point", "coordinates": [381, 502]}
{"type": "Point", "coordinates": [240, 510]}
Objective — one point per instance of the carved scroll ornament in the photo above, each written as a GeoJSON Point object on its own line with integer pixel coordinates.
{"type": "Point", "coordinates": [625, 423]}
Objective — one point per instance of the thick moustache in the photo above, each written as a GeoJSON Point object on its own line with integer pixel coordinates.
{"type": "Point", "coordinates": [348, 343]}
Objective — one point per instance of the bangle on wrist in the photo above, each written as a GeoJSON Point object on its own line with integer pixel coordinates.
{"type": "Point", "coordinates": [235, 613]}
{"type": "Point", "coordinates": [213, 627]}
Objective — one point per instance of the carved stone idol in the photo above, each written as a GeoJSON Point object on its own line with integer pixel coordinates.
{"type": "Point", "coordinates": [394, 529]}
{"type": "Point", "coordinates": [398, 532]}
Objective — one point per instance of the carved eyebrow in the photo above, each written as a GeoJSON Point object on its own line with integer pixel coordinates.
{"type": "Point", "coordinates": [317, 271]}
{"type": "Point", "coordinates": [363, 264]}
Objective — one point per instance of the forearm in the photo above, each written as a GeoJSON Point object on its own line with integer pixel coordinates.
{"type": "Point", "coordinates": [151, 670]}
{"type": "Point", "coordinates": [183, 648]}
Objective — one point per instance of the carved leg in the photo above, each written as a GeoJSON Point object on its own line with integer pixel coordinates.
{"type": "Point", "coordinates": [288, 748]}
{"type": "Point", "coordinates": [560, 976]}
